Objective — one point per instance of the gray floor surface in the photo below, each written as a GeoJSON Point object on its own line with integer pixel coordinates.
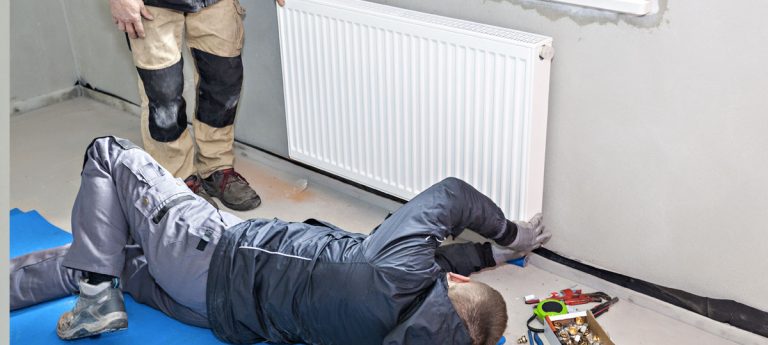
{"type": "Point", "coordinates": [46, 156]}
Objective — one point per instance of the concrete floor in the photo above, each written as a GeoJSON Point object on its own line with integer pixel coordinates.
{"type": "Point", "coordinates": [46, 156]}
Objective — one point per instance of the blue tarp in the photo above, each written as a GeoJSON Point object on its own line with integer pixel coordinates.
{"type": "Point", "coordinates": [37, 324]}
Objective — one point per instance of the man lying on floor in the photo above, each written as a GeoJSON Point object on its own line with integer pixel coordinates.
{"type": "Point", "coordinates": [138, 229]}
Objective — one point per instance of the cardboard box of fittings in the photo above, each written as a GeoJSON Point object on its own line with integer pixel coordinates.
{"type": "Point", "coordinates": [586, 317]}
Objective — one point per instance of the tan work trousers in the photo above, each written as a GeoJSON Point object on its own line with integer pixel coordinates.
{"type": "Point", "coordinates": [218, 30]}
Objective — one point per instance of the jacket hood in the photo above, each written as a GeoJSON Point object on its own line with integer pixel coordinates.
{"type": "Point", "coordinates": [421, 327]}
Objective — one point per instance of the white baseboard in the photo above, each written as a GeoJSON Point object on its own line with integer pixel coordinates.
{"type": "Point", "coordinates": [29, 104]}
{"type": "Point", "coordinates": [112, 101]}
{"type": "Point", "coordinates": [314, 177]}
{"type": "Point", "coordinates": [23, 106]}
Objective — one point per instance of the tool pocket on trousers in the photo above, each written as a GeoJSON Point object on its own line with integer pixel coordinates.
{"type": "Point", "coordinates": [195, 239]}
{"type": "Point", "coordinates": [202, 238]}
{"type": "Point", "coordinates": [148, 172]}
{"type": "Point", "coordinates": [161, 194]}
{"type": "Point", "coordinates": [239, 17]}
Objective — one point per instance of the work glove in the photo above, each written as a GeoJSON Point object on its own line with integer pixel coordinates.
{"type": "Point", "coordinates": [503, 254]}
{"type": "Point", "coordinates": [530, 235]}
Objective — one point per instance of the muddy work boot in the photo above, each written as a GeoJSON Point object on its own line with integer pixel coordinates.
{"type": "Point", "coordinates": [196, 185]}
{"type": "Point", "coordinates": [232, 189]}
{"type": "Point", "coordinates": [99, 309]}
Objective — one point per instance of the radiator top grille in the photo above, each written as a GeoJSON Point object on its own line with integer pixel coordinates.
{"type": "Point", "coordinates": [454, 23]}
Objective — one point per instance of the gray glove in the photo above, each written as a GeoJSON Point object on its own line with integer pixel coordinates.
{"type": "Point", "coordinates": [504, 254]}
{"type": "Point", "coordinates": [530, 235]}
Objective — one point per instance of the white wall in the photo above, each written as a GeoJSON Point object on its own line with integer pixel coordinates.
{"type": "Point", "coordinates": [657, 152]}
{"type": "Point", "coordinates": [41, 54]}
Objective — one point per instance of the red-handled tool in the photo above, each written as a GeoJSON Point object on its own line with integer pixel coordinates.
{"type": "Point", "coordinates": [572, 297]}
{"type": "Point", "coordinates": [603, 307]}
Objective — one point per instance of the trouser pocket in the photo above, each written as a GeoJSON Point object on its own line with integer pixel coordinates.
{"type": "Point", "coordinates": [157, 200]}
{"type": "Point", "coordinates": [240, 15]}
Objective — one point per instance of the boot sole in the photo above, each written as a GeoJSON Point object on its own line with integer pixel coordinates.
{"type": "Point", "coordinates": [246, 206]}
{"type": "Point", "coordinates": [242, 207]}
{"type": "Point", "coordinates": [113, 322]}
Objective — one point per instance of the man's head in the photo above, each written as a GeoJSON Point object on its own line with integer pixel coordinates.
{"type": "Point", "coordinates": [482, 309]}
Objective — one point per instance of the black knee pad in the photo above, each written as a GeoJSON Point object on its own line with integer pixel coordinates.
{"type": "Point", "coordinates": [167, 108]}
{"type": "Point", "coordinates": [221, 79]}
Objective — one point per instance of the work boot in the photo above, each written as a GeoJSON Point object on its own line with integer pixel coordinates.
{"type": "Point", "coordinates": [99, 309]}
{"type": "Point", "coordinates": [196, 185]}
{"type": "Point", "coordinates": [232, 189]}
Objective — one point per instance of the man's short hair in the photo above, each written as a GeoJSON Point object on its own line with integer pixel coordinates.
{"type": "Point", "coordinates": [482, 309]}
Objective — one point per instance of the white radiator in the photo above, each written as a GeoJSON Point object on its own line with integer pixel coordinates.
{"type": "Point", "coordinates": [397, 99]}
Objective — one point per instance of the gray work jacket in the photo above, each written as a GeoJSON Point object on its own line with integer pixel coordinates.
{"type": "Point", "coordinates": [317, 284]}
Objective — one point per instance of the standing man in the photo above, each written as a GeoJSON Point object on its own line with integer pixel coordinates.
{"type": "Point", "coordinates": [213, 30]}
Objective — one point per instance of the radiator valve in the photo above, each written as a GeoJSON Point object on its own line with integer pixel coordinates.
{"type": "Point", "coordinates": [547, 53]}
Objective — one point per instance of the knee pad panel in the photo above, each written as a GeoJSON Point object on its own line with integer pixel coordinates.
{"type": "Point", "coordinates": [167, 108]}
{"type": "Point", "coordinates": [221, 79]}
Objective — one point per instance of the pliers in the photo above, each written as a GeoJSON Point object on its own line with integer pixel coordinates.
{"type": "Point", "coordinates": [534, 337]}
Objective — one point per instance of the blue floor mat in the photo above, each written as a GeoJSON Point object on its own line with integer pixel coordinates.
{"type": "Point", "coordinates": [37, 324]}
{"type": "Point", "coordinates": [31, 232]}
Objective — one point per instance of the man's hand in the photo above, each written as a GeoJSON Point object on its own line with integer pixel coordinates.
{"type": "Point", "coordinates": [530, 235]}
{"type": "Point", "coordinates": [280, 2]}
{"type": "Point", "coordinates": [504, 254]}
{"type": "Point", "coordinates": [127, 16]}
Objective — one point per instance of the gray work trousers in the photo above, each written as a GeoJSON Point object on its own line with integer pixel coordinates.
{"type": "Point", "coordinates": [131, 219]}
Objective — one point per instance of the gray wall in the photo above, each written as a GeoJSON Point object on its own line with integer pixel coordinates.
{"type": "Point", "coordinates": [41, 54]}
{"type": "Point", "coordinates": [261, 118]}
{"type": "Point", "coordinates": [101, 52]}
{"type": "Point", "coordinates": [656, 157]}
{"type": "Point", "coordinates": [657, 160]}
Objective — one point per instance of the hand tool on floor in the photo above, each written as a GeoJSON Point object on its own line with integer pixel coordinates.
{"type": "Point", "coordinates": [547, 307]}
{"type": "Point", "coordinates": [522, 262]}
{"type": "Point", "coordinates": [557, 305]}
{"type": "Point", "coordinates": [571, 297]}
{"type": "Point", "coordinates": [534, 338]}
{"type": "Point", "coordinates": [601, 308]}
